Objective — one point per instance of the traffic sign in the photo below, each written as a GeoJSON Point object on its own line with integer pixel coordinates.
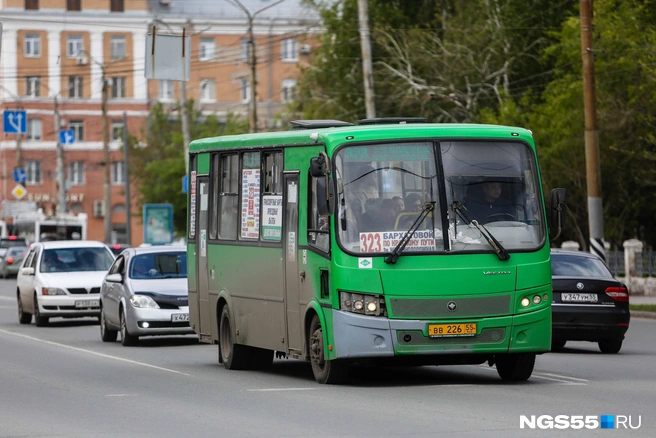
{"type": "Point", "coordinates": [158, 224]}
{"type": "Point", "coordinates": [185, 184]}
{"type": "Point", "coordinates": [15, 122]}
{"type": "Point", "coordinates": [19, 191]}
{"type": "Point", "coordinates": [66, 136]}
{"type": "Point", "coordinates": [20, 175]}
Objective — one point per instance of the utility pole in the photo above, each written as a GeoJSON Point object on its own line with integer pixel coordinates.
{"type": "Point", "coordinates": [252, 121]}
{"type": "Point", "coordinates": [367, 69]}
{"type": "Point", "coordinates": [184, 113]}
{"type": "Point", "coordinates": [108, 164]}
{"type": "Point", "coordinates": [126, 177]}
{"type": "Point", "coordinates": [592, 163]}
{"type": "Point", "coordinates": [61, 174]}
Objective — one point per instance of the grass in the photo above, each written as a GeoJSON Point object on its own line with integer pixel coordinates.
{"type": "Point", "coordinates": [643, 307]}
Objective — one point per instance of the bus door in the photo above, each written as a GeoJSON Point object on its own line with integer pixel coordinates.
{"type": "Point", "coordinates": [202, 278]}
{"type": "Point", "coordinates": [292, 274]}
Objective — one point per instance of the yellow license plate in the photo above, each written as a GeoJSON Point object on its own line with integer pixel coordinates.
{"type": "Point", "coordinates": [452, 330]}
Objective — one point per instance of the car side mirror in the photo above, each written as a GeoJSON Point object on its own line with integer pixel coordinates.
{"type": "Point", "coordinates": [27, 271]}
{"type": "Point", "coordinates": [557, 212]}
{"type": "Point", "coordinates": [114, 278]}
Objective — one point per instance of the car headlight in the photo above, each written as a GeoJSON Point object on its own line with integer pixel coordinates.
{"type": "Point", "coordinates": [364, 304]}
{"type": "Point", "coordinates": [52, 291]}
{"type": "Point", "coordinates": [143, 301]}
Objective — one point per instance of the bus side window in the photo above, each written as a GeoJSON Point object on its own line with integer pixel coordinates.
{"type": "Point", "coordinates": [228, 196]}
{"type": "Point", "coordinates": [318, 226]}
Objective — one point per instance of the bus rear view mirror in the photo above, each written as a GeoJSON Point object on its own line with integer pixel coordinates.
{"type": "Point", "coordinates": [558, 207]}
{"type": "Point", "coordinates": [325, 196]}
{"type": "Point", "coordinates": [320, 166]}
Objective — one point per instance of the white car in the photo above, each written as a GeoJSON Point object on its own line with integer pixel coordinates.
{"type": "Point", "coordinates": [61, 278]}
{"type": "Point", "coordinates": [145, 294]}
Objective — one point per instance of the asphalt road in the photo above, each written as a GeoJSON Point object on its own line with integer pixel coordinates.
{"type": "Point", "coordinates": [63, 381]}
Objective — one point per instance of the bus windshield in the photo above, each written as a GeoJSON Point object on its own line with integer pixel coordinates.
{"type": "Point", "coordinates": [382, 190]}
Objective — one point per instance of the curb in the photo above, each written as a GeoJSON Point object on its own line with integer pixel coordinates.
{"type": "Point", "coordinates": [642, 314]}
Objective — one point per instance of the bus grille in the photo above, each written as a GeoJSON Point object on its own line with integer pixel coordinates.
{"type": "Point", "coordinates": [416, 337]}
{"type": "Point", "coordinates": [431, 308]}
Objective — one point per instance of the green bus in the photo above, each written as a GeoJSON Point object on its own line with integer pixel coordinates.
{"type": "Point", "coordinates": [389, 241]}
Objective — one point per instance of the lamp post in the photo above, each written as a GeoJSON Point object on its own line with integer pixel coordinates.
{"type": "Point", "coordinates": [19, 136]}
{"type": "Point", "coordinates": [252, 121]}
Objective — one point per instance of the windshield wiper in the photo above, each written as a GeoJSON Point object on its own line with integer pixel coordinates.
{"type": "Point", "coordinates": [494, 243]}
{"type": "Point", "coordinates": [398, 249]}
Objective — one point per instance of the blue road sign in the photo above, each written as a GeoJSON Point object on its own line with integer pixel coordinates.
{"type": "Point", "coordinates": [185, 184]}
{"type": "Point", "coordinates": [66, 136]}
{"type": "Point", "coordinates": [15, 122]}
{"type": "Point", "coordinates": [20, 175]}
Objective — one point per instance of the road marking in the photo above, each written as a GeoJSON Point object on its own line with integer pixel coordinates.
{"type": "Point", "coordinates": [559, 375]}
{"type": "Point", "coordinates": [553, 377]}
{"type": "Point", "coordinates": [280, 389]}
{"type": "Point", "coordinates": [121, 395]}
{"type": "Point", "coordinates": [95, 353]}
{"type": "Point", "coordinates": [8, 299]}
{"type": "Point", "coordinates": [8, 307]}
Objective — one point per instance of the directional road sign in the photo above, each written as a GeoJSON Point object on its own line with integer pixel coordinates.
{"type": "Point", "coordinates": [15, 122]}
{"type": "Point", "coordinates": [20, 175]}
{"type": "Point", "coordinates": [66, 136]}
{"type": "Point", "coordinates": [19, 191]}
{"type": "Point", "coordinates": [185, 184]}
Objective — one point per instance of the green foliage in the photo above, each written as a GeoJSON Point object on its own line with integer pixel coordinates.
{"type": "Point", "coordinates": [157, 164]}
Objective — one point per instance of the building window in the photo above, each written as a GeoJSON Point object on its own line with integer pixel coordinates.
{"type": "Point", "coordinates": [73, 5]}
{"type": "Point", "coordinates": [33, 86]}
{"type": "Point", "coordinates": [117, 131]}
{"type": "Point", "coordinates": [244, 49]}
{"type": "Point", "coordinates": [117, 47]}
{"type": "Point", "coordinates": [76, 173]}
{"type": "Point", "coordinates": [118, 176]}
{"type": "Point", "coordinates": [75, 46]}
{"type": "Point", "coordinates": [75, 87]}
{"type": "Point", "coordinates": [207, 90]}
{"type": "Point", "coordinates": [166, 90]}
{"type": "Point", "coordinates": [118, 87]}
{"type": "Point", "coordinates": [34, 172]}
{"type": "Point", "coordinates": [288, 50]}
{"type": "Point", "coordinates": [32, 5]}
{"type": "Point", "coordinates": [245, 90]}
{"type": "Point", "coordinates": [77, 126]}
{"type": "Point", "coordinates": [287, 90]}
{"type": "Point", "coordinates": [207, 49]}
{"type": "Point", "coordinates": [117, 6]}
{"type": "Point", "coordinates": [32, 45]}
{"type": "Point", "coordinates": [33, 129]}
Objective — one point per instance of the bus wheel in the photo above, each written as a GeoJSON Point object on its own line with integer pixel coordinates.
{"type": "Point", "coordinates": [325, 371]}
{"type": "Point", "coordinates": [233, 356]}
{"type": "Point", "coordinates": [515, 366]}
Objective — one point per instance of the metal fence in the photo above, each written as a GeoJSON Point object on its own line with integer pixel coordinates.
{"type": "Point", "coordinates": [645, 263]}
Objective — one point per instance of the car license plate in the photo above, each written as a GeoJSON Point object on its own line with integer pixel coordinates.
{"type": "Point", "coordinates": [87, 303]}
{"type": "Point", "coordinates": [578, 298]}
{"type": "Point", "coordinates": [176, 317]}
{"type": "Point", "coordinates": [451, 330]}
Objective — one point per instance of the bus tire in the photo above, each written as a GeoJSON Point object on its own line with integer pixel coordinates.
{"type": "Point", "coordinates": [325, 371]}
{"type": "Point", "coordinates": [515, 366]}
{"type": "Point", "coordinates": [234, 356]}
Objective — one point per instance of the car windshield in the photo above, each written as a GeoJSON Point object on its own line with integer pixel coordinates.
{"type": "Point", "coordinates": [75, 260]}
{"type": "Point", "coordinates": [159, 265]}
{"type": "Point", "coordinates": [563, 265]}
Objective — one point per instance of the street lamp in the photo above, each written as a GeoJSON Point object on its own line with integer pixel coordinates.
{"type": "Point", "coordinates": [253, 59]}
{"type": "Point", "coordinates": [19, 136]}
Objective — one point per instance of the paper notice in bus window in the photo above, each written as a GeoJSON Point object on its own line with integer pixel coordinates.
{"type": "Point", "coordinates": [203, 243]}
{"type": "Point", "coordinates": [291, 246]}
{"type": "Point", "coordinates": [386, 241]}
{"type": "Point", "coordinates": [292, 193]}
{"type": "Point", "coordinates": [272, 217]}
{"type": "Point", "coordinates": [250, 204]}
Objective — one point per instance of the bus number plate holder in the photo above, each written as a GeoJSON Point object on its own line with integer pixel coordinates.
{"type": "Point", "coordinates": [451, 330]}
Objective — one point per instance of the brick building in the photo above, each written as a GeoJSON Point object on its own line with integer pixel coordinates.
{"type": "Point", "coordinates": [64, 49]}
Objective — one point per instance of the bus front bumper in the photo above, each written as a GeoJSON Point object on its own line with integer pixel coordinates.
{"type": "Point", "coordinates": [357, 336]}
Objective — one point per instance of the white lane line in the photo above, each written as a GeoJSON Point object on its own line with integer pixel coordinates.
{"type": "Point", "coordinates": [563, 377]}
{"type": "Point", "coordinates": [121, 395]}
{"type": "Point", "coordinates": [8, 307]}
{"type": "Point", "coordinates": [8, 299]}
{"type": "Point", "coordinates": [541, 375]}
{"type": "Point", "coordinates": [280, 389]}
{"type": "Point", "coordinates": [566, 382]}
{"type": "Point", "coordinates": [95, 353]}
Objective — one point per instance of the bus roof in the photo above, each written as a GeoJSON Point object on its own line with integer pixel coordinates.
{"type": "Point", "coordinates": [335, 136]}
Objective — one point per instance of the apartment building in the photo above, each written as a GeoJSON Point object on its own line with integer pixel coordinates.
{"type": "Point", "coordinates": [63, 50]}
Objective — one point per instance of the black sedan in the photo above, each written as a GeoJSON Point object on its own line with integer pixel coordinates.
{"type": "Point", "coordinates": [589, 304]}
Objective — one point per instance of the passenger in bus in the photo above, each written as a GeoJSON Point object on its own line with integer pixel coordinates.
{"type": "Point", "coordinates": [490, 206]}
{"type": "Point", "coordinates": [413, 203]}
{"type": "Point", "coordinates": [399, 203]}
{"type": "Point", "coordinates": [364, 188]}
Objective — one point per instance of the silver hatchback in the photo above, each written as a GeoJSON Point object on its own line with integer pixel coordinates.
{"type": "Point", "coordinates": [145, 294]}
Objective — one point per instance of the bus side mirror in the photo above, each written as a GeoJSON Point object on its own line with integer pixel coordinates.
{"type": "Point", "coordinates": [325, 196]}
{"type": "Point", "coordinates": [320, 166]}
{"type": "Point", "coordinates": [558, 207]}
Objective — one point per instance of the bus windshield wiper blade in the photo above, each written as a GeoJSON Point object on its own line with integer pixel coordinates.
{"type": "Point", "coordinates": [494, 243]}
{"type": "Point", "coordinates": [398, 249]}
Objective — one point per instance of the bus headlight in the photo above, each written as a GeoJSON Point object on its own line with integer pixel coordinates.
{"type": "Point", "coordinates": [364, 304]}
{"type": "Point", "coordinates": [525, 302]}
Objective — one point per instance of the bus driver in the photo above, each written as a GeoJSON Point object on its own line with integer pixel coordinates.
{"type": "Point", "coordinates": [492, 207]}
